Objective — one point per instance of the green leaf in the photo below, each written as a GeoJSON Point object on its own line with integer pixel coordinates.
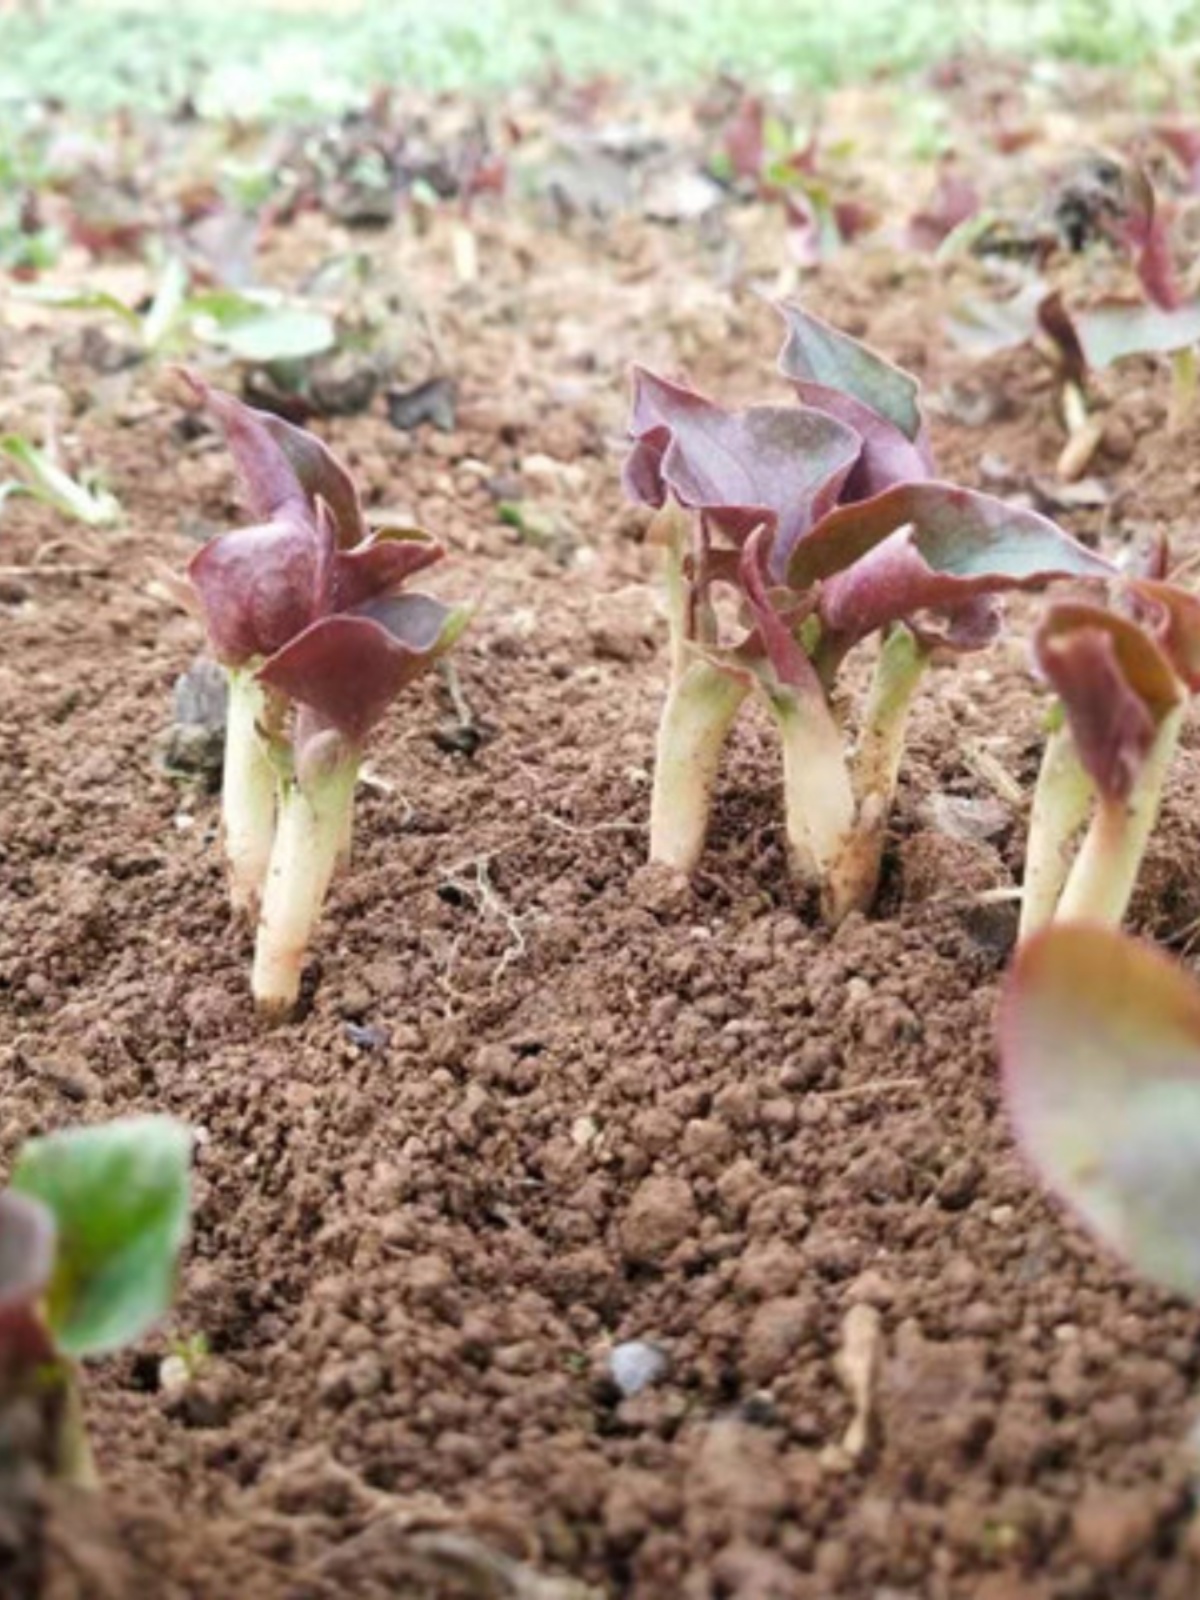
{"type": "Point", "coordinates": [1100, 1045]}
{"type": "Point", "coordinates": [1111, 332]}
{"type": "Point", "coordinates": [165, 309]}
{"type": "Point", "coordinates": [259, 328]}
{"type": "Point", "coordinates": [58, 295]}
{"type": "Point", "coordinates": [985, 327]}
{"type": "Point", "coordinates": [46, 481]}
{"type": "Point", "coordinates": [813, 352]}
{"type": "Point", "coordinates": [119, 1195]}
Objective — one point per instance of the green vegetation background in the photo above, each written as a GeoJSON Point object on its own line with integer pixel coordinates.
{"type": "Point", "coordinates": [296, 54]}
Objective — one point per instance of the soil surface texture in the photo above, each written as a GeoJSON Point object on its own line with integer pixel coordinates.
{"type": "Point", "coordinates": [590, 1234]}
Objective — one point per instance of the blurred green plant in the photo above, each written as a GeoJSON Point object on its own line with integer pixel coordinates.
{"type": "Point", "coordinates": [256, 325]}
{"type": "Point", "coordinates": [41, 477]}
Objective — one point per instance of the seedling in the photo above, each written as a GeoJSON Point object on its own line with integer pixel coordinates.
{"type": "Point", "coordinates": [1123, 682]}
{"type": "Point", "coordinates": [1100, 1047]}
{"type": "Point", "coordinates": [307, 611]}
{"type": "Point", "coordinates": [91, 1227]}
{"type": "Point", "coordinates": [256, 325]}
{"type": "Point", "coordinates": [764, 155]}
{"type": "Point", "coordinates": [41, 477]}
{"type": "Point", "coordinates": [825, 522]}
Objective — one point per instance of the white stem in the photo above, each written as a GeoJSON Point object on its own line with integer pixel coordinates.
{"type": "Point", "coordinates": [699, 712]}
{"type": "Point", "coordinates": [75, 1463]}
{"type": "Point", "coordinates": [1183, 388]}
{"type": "Point", "coordinates": [1102, 880]}
{"type": "Point", "coordinates": [1060, 806]}
{"type": "Point", "coordinates": [818, 796]}
{"type": "Point", "coordinates": [854, 875]}
{"type": "Point", "coordinates": [309, 837]}
{"type": "Point", "coordinates": [248, 796]}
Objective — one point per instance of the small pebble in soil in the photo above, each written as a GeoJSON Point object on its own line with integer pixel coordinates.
{"type": "Point", "coordinates": [173, 1374]}
{"type": "Point", "coordinates": [636, 1364]}
{"type": "Point", "coordinates": [368, 1036]}
{"type": "Point", "coordinates": [194, 745]}
{"type": "Point", "coordinates": [433, 401]}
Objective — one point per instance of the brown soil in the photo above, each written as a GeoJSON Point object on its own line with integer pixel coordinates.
{"type": "Point", "coordinates": [544, 1100]}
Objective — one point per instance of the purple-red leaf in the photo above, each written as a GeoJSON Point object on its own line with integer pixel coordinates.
{"type": "Point", "coordinates": [888, 456]}
{"type": "Point", "coordinates": [1172, 614]}
{"type": "Point", "coordinates": [746, 139]}
{"type": "Point", "coordinates": [281, 465]}
{"type": "Point", "coordinates": [955, 200]}
{"type": "Point", "coordinates": [1145, 232]}
{"type": "Point", "coordinates": [928, 546]}
{"type": "Point", "coordinates": [381, 565]}
{"type": "Point", "coordinates": [1100, 1047]}
{"type": "Point", "coordinates": [27, 1235]}
{"type": "Point", "coordinates": [349, 667]}
{"type": "Point", "coordinates": [778, 466]}
{"type": "Point", "coordinates": [773, 638]}
{"type": "Point", "coordinates": [1183, 141]}
{"type": "Point", "coordinates": [813, 352]}
{"type": "Point", "coordinates": [258, 587]}
{"type": "Point", "coordinates": [1115, 684]}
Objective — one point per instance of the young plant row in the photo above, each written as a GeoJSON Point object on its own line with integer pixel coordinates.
{"type": "Point", "coordinates": [791, 536]}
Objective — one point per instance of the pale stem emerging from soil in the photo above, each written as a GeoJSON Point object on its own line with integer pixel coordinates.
{"type": "Point", "coordinates": [854, 875]}
{"type": "Point", "coordinates": [1061, 801]}
{"type": "Point", "coordinates": [1084, 433]}
{"type": "Point", "coordinates": [248, 793]}
{"type": "Point", "coordinates": [1184, 382]}
{"type": "Point", "coordinates": [311, 836]}
{"type": "Point", "coordinates": [699, 712]}
{"type": "Point", "coordinates": [818, 796]}
{"type": "Point", "coordinates": [1102, 879]}
{"type": "Point", "coordinates": [75, 1463]}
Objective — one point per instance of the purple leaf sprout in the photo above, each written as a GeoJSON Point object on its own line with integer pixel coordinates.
{"type": "Point", "coordinates": [308, 611]}
{"type": "Point", "coordinates": [1122, 681]}
{"type": "Point", "coordinates": [826, 524]}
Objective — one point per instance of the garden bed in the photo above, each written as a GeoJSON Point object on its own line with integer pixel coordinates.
{"type": "Point", "coordinates": [544, 1099]}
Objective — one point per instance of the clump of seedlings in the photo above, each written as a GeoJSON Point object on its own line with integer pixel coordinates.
{"type": "Point", "coordinates": [91, 1228]}
{"type": "Point", "coordinates": [793, 534]}
{"type": "Point", "coordinates": [308, 612]}
{"type": "Point", "coordinates": [1100, 1048]}
{"type": "Point", "coordinates": [1122, 680]}
{"type": "Point", "coordinates": [764, 157]}
{"type": "Point", "coordinates": [1114, 201]}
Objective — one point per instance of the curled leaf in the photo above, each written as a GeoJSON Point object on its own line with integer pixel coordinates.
{"type": "Point", "coordinates": [814, 352]}
{"type": "Point", "coordinates": [928, 546]}
{"type": "Point", "coordinates": [778, 466]}
{"type": "Point", "coordinates": [1100, 1047]}
{"type": "Point", "coordinates": [1173, 616]}
{"type": "Point", "coordinates": [258, 587]}
{"type": "Point", "coordinates": [347, 668]}
{"type": "Point", "coordinates": [281, 465]}
{"type": "Point", "coordinates": [1115, 684]}
{"type": "Point", "coordinates": [381, 564]}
